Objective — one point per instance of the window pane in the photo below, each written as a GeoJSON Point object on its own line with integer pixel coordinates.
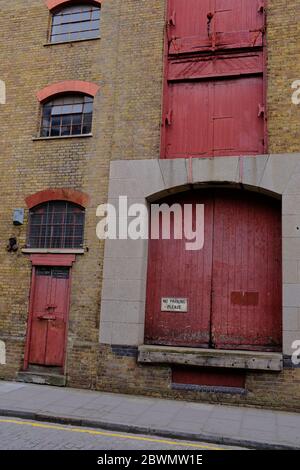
{"type": "Point", "coordinates": [64, 116]}
{"type": "Point", "coordinates": [54, 131]}
{"type": "Point", "coordinates": [87, 124]}
{"type": "Point", "coordinates": [45, 132]}
{"type": "Point", "coordinates": [77, 119]}
{"type": "Point", "coordinates": [70, 23]}
{"type": "Point", "coordinates": [56, 110]}
{"type": "Point", "coordinates": [55, 121]}
{"type": "Point", "coordinates": [88, 107]}
{"type": "Point", "coordinates": [77, 108]}
{"type": "Point", "coordinates": [76, 130]}
{"type": "Point", "coordinates": [96, 14]}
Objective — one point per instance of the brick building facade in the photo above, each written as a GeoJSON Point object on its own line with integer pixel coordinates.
{"type": "Point", "coordinates": [122, 69]}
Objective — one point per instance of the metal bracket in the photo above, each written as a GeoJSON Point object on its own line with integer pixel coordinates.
{"type": "Point", "coordinates": [168, 118]}
{"type": "Point", "coordinates": [261, 110]}
{"type": "Point", "coordinates": [261, 6]}
{"type": "Point", "coordinates": [172, 19]}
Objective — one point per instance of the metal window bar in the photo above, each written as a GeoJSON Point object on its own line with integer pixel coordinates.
{"type": "Point", "coordinates": [52, 228]}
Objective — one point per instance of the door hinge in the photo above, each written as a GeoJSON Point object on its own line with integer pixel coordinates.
{"type": "Point", "coordinates": [261, 110]}
{"type": "Point", "coordinates": [172, 19]}
{"type": "Point", "coordinates": [168, 118]}
{"type": "Point", "coordinates": [261, 6]}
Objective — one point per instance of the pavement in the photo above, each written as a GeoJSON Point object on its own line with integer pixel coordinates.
{"type": "Point", "coordinates": [223, 425]}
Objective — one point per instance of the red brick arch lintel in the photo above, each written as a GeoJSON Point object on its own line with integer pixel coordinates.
{"type": "Point", "coordinates": [52, 4]}
{"type": "Point", "coordinates": [62, 194]}
{"type": "Point", "coordinates": [67, 86]}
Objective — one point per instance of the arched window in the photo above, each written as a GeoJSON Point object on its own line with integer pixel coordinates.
{"type": "Point", "coordinates": [72, 23]}
{"type": "Point", "coordinates": [69, 114]}
{"type": "Point", "coordinates": [56, 224]}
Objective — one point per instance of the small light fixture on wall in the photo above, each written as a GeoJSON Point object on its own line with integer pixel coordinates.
{"type": "Point", "coordinates": [12, 245]}
{"type": "Point", "coordinates": [18, 217]}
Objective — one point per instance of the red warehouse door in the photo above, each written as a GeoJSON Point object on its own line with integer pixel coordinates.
{"type": "Point", "coordinates": [215, 118]}
{"type": "Point", "coordinates": [50, 302]}
{"type": "Point", "coordinates": [175, 272]}
{"type": "Point", "coordinates": [214, 24]}
{"type": "Point", "coordinates": [247, 284]}
{"type": "Point", "coordinates": [232, 287]}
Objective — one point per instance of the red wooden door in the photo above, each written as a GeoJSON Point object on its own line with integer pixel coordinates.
{"type": "Point", "coordinates": [232, 285]}
{"type": "Point", "coordinates": [238, 127]}
{"type": "Point", "coordinates": [215, 118]}
{"type": "Point", "coordinates": [176, 273]}
{"type": "Point", "coordinates": [247, 284]}
{"type": "Point", "coordinates": [187, 25]}
{"type": "Point", "coordinates": [214, 24]}
{"type": "Point", "coordinates": [189, 130]}
{"type": "Point", "coordinates": [49, 311]}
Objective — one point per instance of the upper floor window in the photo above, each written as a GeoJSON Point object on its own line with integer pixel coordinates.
{"type": "Point", "coordinates": [56, 224]}
{"type": "Point", "coordinates": [65, 115]}
{"type": "Point", "coordinates": [75, 22]}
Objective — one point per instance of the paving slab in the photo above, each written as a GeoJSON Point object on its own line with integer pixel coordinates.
{"type": "Point", "coordinates": [220, 424]}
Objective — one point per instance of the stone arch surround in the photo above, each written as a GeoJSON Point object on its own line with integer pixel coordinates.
{"type": "Point", "coordinates": [125, 261]}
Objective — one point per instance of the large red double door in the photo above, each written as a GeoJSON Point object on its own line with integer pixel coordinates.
{"type": "Point", "coordinates": [232, 287]}
{"type": "Point", "coordinates": [48, 316]}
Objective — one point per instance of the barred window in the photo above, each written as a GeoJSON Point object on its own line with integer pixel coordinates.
{"type": "Point", "coordinates": [67, 115]}
{"type": "Point", "coordinates": [75, 22]}
{"type": "Point", "coordinates": [56, 224]}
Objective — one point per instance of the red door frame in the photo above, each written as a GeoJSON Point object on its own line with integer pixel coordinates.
{"type": "Point", "coordinates": [47, 260]}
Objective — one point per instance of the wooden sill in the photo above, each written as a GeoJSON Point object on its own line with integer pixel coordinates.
{"type": "Point", "coordinates": [251, 360]}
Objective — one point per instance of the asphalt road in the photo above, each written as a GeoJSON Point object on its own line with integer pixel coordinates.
{"type": "Point", "coordinates": [18, 434]}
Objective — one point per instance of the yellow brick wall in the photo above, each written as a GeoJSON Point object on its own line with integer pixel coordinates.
{"type": "Point", "coordinates": [283, 40]}
{"type": "Point", "coordinates": [127, 63]}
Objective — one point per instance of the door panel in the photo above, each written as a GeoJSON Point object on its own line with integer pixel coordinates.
{"type": "Point", "coordinates": [215, 118]}
{"type": "Point", "coordinates": [214, 24]}
{"type": "Point", "coordinates": [174, 272]}
{"type": "Point", "coordinates": [190, 29]}
{"type": "Point", "coordinates": [38, 337]}
{"type": "Point", "coordinates": [57, 327]}
{"type": "Point", "coordinates": [189, 132]}
{"type": "Point", "coordinates": [49, 313]}
{"type": "Point", "coordinates": [237, 128]}
{"type": "Point", "coordinates": [246, 306]}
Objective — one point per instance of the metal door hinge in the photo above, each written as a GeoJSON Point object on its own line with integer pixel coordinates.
{"type": "Point", "coordinates": [261, 6]}
{"type": "Point", "coordinates": [261, 110]}
{"type": "Point", "coordinates": [168, 118]}
{"type": "Point", "coordinates": [172, 19]}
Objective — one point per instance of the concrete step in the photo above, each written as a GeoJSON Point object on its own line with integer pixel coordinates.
{"type": "Point", "coordinates": [42, 378]}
